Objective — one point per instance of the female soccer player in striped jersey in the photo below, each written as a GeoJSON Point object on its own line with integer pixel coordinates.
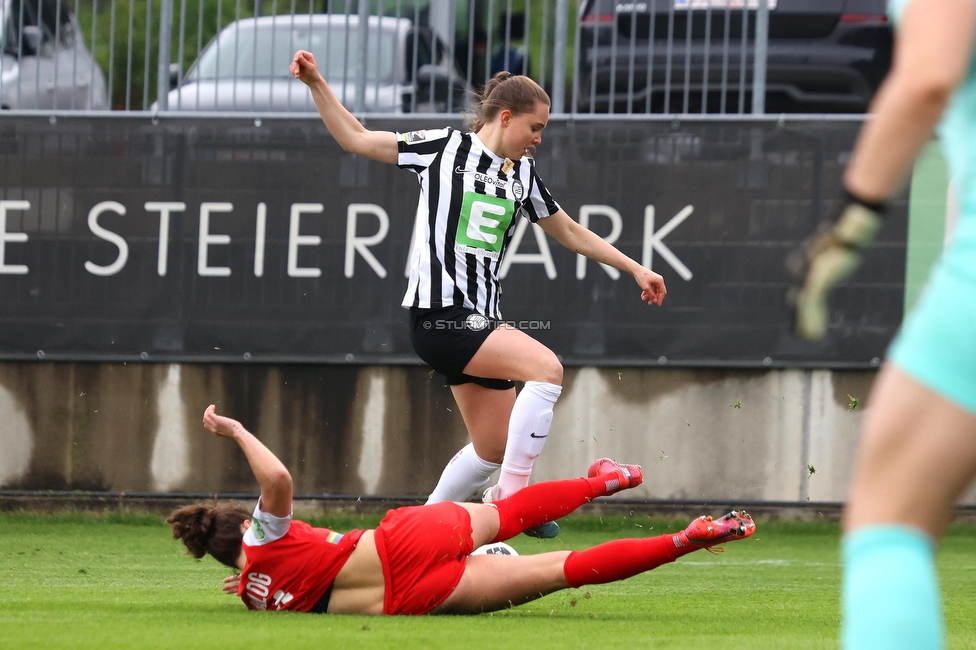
{"type": "Point", "coordinates": [473, 188]}
{"type": "Point", "coordinates": [417, 560]}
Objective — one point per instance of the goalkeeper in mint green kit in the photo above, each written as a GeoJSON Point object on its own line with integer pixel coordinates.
{"type": "Point", "coordinates": [918, 447]}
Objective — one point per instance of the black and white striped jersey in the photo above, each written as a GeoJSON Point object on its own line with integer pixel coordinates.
{"type": "Point", "coordinates": [470, 201]}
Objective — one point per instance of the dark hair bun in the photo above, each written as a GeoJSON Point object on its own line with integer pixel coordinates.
{"type": "Point", "coordinates": [194, 526]}
{"type": "Point", "coordinates": [493, 83]}
{"type": "Point", "coordinates": [216, 530]}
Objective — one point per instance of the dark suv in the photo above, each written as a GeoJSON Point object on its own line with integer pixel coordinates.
{"type": "Point", "coordinates": [687, 56]}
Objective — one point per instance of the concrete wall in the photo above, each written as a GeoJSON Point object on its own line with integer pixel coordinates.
{"type": "Point", "coordinates": [721, 435]}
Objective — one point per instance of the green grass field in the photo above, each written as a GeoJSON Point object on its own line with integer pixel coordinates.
{"type": "Point", "coordinates": [81, 581]}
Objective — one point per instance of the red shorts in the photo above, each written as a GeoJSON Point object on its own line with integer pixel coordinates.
{"type": "Point", "coordinates": [423, 550]}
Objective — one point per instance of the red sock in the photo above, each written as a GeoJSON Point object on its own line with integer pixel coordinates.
{"type": "Point", "coordinates": [621, 559]}
{"type": "Point", "coordinates": [542, 502]}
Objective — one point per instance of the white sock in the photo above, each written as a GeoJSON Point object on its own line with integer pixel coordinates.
{"type": "Point", "coordinates": [463, 476]}
{"type": "Point", "coordinates": [527, 431]}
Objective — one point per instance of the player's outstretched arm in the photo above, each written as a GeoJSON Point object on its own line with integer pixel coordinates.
{"type": "Point", "coordinates": [932, 57]}
{"type": "Point", "coordinates": [344, 127]}
{"type": "Point", "coordinates": [272, 475]}
{"type": "Point", "coordinates": [561, 227]}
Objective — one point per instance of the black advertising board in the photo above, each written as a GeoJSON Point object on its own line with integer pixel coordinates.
{"type": "Point", "coordinates": [125, 238]}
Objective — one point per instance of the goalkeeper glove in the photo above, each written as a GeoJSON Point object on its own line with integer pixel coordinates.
{"type": "Point", "coordinates": [827, 258]}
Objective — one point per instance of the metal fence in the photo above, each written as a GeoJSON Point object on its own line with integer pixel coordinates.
{"type": "Point", "coordinates": [428, 56]}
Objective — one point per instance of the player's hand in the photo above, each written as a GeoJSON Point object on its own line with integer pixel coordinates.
{"type": "Point", "coordinates": [231, 584]}
{"type": "Point", "coordinates": [652, 286]}
{"type": "Point", "coordinates": [304, 68]}
{"type": "Point", "coordinates": [218, 424]}
{"type": "Point", "coordinates": [827, 258]}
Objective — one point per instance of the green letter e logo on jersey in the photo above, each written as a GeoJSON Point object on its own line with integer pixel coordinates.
{"type": "Point", "coordinates": [483, 222]}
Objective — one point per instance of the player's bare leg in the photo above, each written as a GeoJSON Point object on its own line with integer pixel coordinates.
{"type": "Point", "coordinates": [493, 582]}
{"type": "Point", "coordinates": [512, 354]}
{"type": "Point", "coordinates": [509, 353]}
{"type": "Point", "coordinates": [917, 456]}
{"type": "Point", "coordinates": [486, 413]}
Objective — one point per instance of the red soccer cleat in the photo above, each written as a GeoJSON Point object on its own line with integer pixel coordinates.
{"type": "Point", "coordinates": [705, 531]}
{"type": "Point", "coordinates": [624, 476]}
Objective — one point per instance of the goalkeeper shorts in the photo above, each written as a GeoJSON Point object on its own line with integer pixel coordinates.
{"type": "Point", "coordinates": [937, 342]}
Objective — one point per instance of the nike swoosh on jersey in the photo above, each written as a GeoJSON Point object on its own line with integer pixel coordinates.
{"type": "Point", "coordinates": [532, 435]}
{"type": "Point", "coordinates": [458, 170]}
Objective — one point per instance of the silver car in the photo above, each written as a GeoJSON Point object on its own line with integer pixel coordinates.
{"type": "Point", "coordinates": [44, 62]}
{"type": "Point", "coordinates": [245, 68]}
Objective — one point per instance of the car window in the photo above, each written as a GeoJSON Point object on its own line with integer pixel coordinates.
{"type": "Point", "coordinates": [51, 16]}
{"type": "Point", "coordinates": [242, 51]}
{"type": "Point", "coordinates": [425, 51]}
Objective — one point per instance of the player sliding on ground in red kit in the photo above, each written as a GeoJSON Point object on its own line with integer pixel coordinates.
{"type": "Point", "coordinates": [417, 561]}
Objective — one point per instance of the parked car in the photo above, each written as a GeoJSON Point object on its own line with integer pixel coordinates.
{"type": "Point", "coordinates": [44, 63]}
{"type": "Point", "coordinates": [245, 68]}
{"type": "Point", "coordinates": [823, 56]}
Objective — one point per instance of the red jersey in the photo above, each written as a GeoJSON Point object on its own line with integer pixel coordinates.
{"type": "Point", "coordinates": [290, 564]}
